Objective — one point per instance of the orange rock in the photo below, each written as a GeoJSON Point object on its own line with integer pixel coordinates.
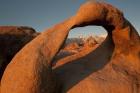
{"type": "Point", "coordinates": [91, 42]}
{"type": "Point", "coordinates": [113, 67]}
{"type": "Point", "coordinates": [12, 39]}
{"type": "Point", "coordinates": [30, 70]}
{"type": "Point", "coordinates": [72, 46]}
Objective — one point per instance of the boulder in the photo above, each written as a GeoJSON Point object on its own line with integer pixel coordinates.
{"type": "Point", "coordinates": [12, 39]}
{"type": "Point", "coordinates": [90, 41]}
{"type": "Point", "coordinates": [72, 46]}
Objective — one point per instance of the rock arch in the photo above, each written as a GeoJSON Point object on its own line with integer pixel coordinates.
{"type": "Point", "coordinates": [32, 65]}
{"type": "Point", "coordinates": [112, 64]}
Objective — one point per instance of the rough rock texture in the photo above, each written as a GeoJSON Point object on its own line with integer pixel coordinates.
{"type": "Point", "coordinates": [72, 46]}
{"type": "Point", "coordinates": [112, 68]}
{"type": "Point", "coordinates": [90, 42]}
{"type": "Point", "coordinates": [12, 39]}
{"type": "Point", "coordinates": [30, 70]}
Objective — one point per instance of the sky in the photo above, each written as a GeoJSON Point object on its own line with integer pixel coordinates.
{"type": "Point", "coordinates": [42, 14]}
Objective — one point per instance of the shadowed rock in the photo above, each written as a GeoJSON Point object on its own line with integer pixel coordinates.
{"type": "Point", "coordinates": [12, 39]}
{"type": "Point", "coordinates": [113, 67]}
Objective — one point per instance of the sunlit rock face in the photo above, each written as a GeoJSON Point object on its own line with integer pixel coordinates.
{"type": "Point", "coordinates": [30, 69]}
{"type": "Point", "coordinates": [112, 67]}
{"type": "Point", "coordinates": [12, 39]}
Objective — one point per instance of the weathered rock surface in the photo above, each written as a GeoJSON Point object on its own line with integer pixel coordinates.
{"type": "Point", "coordinates": [30, 70]}
{"type": "Point", "coordinates": [72, 46]}
{"type": "Point", "coordinates": [114, 67]}
{"type": "Point", "coordinates": [12, 39]}
{"type": "Point", "coordinates": [90, 42]}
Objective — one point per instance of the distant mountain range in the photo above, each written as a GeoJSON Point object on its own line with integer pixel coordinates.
{"type": "Point", "coordinates": [82, 39]}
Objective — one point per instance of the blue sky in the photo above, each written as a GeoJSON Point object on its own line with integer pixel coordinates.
{"type": "Point", "coordinates": [42, 14]}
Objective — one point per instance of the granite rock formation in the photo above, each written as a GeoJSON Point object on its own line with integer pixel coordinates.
{"type": "Point", "coordinates": [114, 67]}
{"type": "Point", "coordinates": [30, 69]}
{"type": "Point", "coordinates": [12, 39]}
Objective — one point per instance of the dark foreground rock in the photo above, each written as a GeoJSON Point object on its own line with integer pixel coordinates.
{"type": "Point", "coordinates": [12, 39]}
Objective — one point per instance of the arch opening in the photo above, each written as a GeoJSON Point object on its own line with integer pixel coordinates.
{"type": "Point", "coordinates": [87, 31]}
{"type": "Point", "coordinates": [81, 39]}
{"type": "Point", "coordinates": [86, 34]}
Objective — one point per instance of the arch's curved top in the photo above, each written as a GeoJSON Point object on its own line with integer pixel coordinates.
{"type": "Point", "coordinates": [112, 19]}
{"type": "Point", "coordinates": [96, 13]}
